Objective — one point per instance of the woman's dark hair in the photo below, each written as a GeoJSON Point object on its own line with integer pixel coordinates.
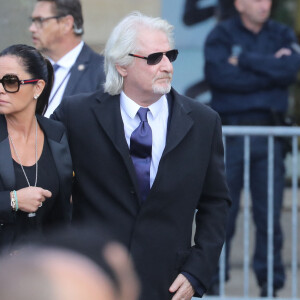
{"type": "Point", "coordinates": [38, 67]}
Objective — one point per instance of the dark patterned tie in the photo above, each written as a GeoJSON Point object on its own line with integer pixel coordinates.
{"type": "Point", "coordinates": [140, 151]}
{"type": "Point", "coordinates": [56, 67]}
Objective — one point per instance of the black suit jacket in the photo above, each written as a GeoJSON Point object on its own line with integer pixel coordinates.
{"type": "Point", "coordinates": [87, 74]}
{"type": "Point", "coordinates": [61, 210]}
{"type": "Point", "coordinates": [190, 177]}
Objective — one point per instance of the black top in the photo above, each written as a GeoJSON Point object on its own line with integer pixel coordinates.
{"type": "Point", "coordinates": [47, 179]}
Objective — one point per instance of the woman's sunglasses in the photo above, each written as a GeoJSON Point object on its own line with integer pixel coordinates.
{"type": "Point", "coordinates": [11, 83]}
{"type": "Point", "coordinates": [155, 58]}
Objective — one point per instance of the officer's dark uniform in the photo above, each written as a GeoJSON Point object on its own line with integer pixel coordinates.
{"type": "Point", "coordinates": [253, 93]}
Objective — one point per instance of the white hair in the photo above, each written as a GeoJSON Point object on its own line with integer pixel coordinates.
{"type": "Point", "coordinates": [123, 40]}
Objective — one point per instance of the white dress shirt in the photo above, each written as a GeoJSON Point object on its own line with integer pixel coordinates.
{"type": "Point", "coordinates": [62, 74]}
{"type": "Point", "coordinates": [158, 120]}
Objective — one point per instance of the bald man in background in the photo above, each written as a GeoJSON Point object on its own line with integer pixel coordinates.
{"type": "Point", "coordinates": [251, 61]}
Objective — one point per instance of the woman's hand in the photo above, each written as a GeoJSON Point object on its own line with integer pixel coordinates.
{"type": "Point", "coordinates": [31, 198]}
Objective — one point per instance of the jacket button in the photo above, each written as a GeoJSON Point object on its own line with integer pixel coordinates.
{"type": "Point", "coordinates": [132, 192]}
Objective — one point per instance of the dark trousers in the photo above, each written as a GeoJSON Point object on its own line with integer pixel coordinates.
{"type": "Point", "coordinates": [259, 196]}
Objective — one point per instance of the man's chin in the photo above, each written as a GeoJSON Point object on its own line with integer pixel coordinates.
{"type": "Point", "coordinates": [42, 49]}
{"type": "Point", "coordinates": [38, 45]}
{"type": "Point", "coordinates": [162, 89]}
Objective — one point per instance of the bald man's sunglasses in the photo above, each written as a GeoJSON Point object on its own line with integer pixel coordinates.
{"type": "Point", "coordinates": [155, 58]}
{"type": "Point", "coordinates": [11, 83]}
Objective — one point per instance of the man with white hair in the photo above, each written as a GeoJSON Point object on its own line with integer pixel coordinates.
{"type": "Point", "coordinates": [146, 158]}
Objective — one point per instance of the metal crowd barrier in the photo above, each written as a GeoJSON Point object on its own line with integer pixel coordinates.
{"type": "Point", "coordinates": [270, 133]}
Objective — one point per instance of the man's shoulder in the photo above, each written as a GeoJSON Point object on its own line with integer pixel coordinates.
{"type": "Point", "coordinates": [56, 125]}
{"type": "Point", "coordinates": [277, 27]}
{"type": "Point", "coordinates": [52, 128]}
{"type": "Point", "coordinates": [224, 28]}
{"type": "Point", "coordinates": [85, 99]}
{"type": "Point", "coordinates": [229, 23]}
{"type": "Point", "coordinates": [195, 108]}
{"type": "Point", "coordinates": [87, 51]}
{"type": "Point", "coordinates": [76, 107]}
{"type": "Point", "coordinates": [280, 33]}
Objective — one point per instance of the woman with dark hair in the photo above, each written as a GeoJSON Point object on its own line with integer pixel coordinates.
{"type": "Point", "coordinates": [35, 161]}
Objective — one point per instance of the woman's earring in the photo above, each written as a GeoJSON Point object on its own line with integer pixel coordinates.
{"type": "Point", "coordinates": [35, 97]}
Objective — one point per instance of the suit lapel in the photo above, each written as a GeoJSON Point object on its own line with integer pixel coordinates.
{"type": "Point", "coordinates": [108, 114]}
{"type": "Point", "coordinates": [7, 173]}
{"type": "Point", "coordinates": [179, 123]}
{"type": "Point", "coordinates": [78, 69]}
{"type": "Point", "coordinates": [57, 140]}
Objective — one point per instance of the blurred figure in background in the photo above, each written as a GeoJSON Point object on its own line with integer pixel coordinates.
{"type": "Point", "coordinates": [53, 274]}
{"type": "Point", "coordinates": [74, 263]}
{"type": "Point", "coordinates": [100, 246]}
{"type": "Point", "coordinates": [57, 29]}
{"type": "Point", "coordinates": [250, 63]}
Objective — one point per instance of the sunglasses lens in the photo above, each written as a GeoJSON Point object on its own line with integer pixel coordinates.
{"type": "Point", "coordinates": [172, 55]}
{"type": "Point", "coordinates": [10, 83]}
{"type": "Point", "coordinates": [154, 58]}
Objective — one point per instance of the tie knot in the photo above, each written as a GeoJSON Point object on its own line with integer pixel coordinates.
{"type": "Point", "coordinates": [56, 67]}
{"type": "Point", "coordinates": [142, 113]}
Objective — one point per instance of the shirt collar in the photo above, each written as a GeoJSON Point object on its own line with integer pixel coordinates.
{"type": "Point", "coordinates": [131, 108]}
{"type": "Point", "coordinates": [68, 60]}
